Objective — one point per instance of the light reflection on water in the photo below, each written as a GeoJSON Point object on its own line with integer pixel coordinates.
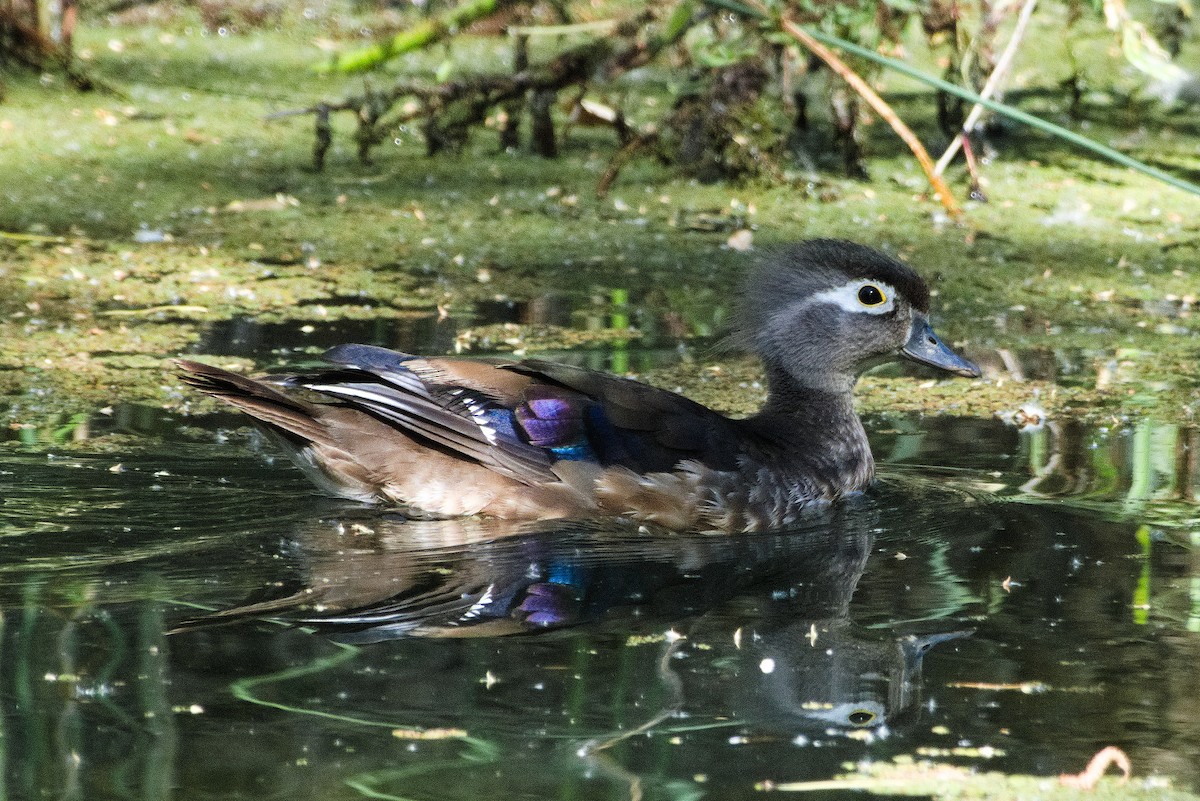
{"type": "Point", "coordinates": [536, 662]}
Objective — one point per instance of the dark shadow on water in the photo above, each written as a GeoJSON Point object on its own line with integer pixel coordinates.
{"type": "Point", "coordinates": [242, 336]}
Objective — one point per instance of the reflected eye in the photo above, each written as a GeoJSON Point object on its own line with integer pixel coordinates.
{"type": "Point", "coordinates": [861, 717]}
{"type": "Point", "coordinates": [871, 295]}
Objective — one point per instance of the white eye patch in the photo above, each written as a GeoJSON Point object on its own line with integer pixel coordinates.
{"type": "Point", "coordinates": [862, 296]}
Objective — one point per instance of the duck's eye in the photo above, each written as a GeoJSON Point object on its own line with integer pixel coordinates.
{"type": "Point", "coordinates": [871, 295]}
{"type": "Point", "coordinates": [861, 717]}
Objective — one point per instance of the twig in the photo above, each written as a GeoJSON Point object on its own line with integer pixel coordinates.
{"type": "Point", "coordinates": [32, 237]}
{"type": "Point", "coordinates": [976, 187]}
{"type": "Point", "coordinates": [993, 83]}
{"type": "Point", "coordinates": [170, 307]}
{"type": "Point", "coordinates": [674, 687]}
{"type": "Point", "coordinates": [881, 108]}
{"type": "Point", "coordinates": [447, 91]}
{"type": "Point", "coordinates": [1096, 767]}
{"type": "Point", "coordinates": [621, 158]}
{"type": "Point", "coordinates": [868, 784]}
{"type": "Point", "coordinates": [593, 750]}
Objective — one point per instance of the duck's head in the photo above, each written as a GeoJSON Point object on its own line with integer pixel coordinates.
{"type": "Point", "coordinates": [822, 311]}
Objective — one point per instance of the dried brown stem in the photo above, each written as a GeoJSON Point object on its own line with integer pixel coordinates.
{"type": "Point", "coordinates": [621, 158]}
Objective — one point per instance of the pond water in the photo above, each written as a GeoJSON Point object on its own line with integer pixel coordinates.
{"type": "Point", "coordinates": [183, 617]}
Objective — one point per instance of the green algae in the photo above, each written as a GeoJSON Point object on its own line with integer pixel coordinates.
{"type": "Point", "coordinates": [133, 223]}
{"type": "Point", "coordinates": [738, 388]}
{"type": "Point", "coordinates": [521, 339]}
{"type": "Point", "coordinates": [908, 777]}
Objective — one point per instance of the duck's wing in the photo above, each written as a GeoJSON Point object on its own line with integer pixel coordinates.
{"type": "Point", "coordinates": [522, 417]}
{"type": "Point", "coordinates": [630, 424]}
{"type": "Point", "coordinates": [465, 412]}
{"type": "Point", "coordinates": [387, 425]}
{"type": "Point", "coordinates": [513, 439]}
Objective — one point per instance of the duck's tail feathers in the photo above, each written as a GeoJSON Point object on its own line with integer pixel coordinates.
{"type": "Point", "coordinates": [289, 416]}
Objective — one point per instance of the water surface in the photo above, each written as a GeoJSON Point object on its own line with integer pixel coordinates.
{"type": "Point", "coordinates": [1027, 597]}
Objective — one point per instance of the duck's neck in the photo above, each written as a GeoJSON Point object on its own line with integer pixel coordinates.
{"type": "Point", "coordinates": [815, 426]}
{"type": "Point", "coordinates": [828, 397]}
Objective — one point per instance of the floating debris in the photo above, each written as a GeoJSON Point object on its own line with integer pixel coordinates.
{"type": "Point", "coordinates": [277, 203]}
{"type": "Point", "coordinates": [429, 734]}
{"type": "Point", "coordinates": [515, 337]}
{"type": "Point", "coordinates": [1096, 767]}
{"type": "Point", "coordinates": [1029, 417]}
{"type": "Point", "coordinates": [741, 240]}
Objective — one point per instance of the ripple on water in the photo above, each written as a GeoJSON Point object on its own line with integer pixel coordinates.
{"type": "Point", "coordinates": [537, 657]}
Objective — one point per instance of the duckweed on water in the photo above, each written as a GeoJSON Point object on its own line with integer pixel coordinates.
{"type": "Point", "coordinates": [531, 338]}
{"type": "Point", "coordinates": [129, 225]}
{"type": "Point", "coordinates": [944, 782]}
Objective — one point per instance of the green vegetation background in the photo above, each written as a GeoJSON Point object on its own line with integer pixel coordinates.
{"type": "Point", "coordinates": [132, 221]}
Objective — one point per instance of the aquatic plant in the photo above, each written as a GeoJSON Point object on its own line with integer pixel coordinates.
{"type": "Point", "coordinates": [726, 123]}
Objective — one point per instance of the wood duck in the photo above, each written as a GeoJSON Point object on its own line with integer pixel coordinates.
{"type": "Point", "coordinates": [530, 439]}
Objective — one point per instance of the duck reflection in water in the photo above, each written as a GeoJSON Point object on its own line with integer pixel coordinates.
{"type": "Point", "coordinates": [766, 619]}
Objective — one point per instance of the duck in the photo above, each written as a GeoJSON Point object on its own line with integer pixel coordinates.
{"type": "Point", "coordinates": [531, 439]}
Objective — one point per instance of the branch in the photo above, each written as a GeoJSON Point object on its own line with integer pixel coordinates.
{"type": "Point", "coordinates": [453, 107]}
{"type": "Point", "coordinates": [993, 84]}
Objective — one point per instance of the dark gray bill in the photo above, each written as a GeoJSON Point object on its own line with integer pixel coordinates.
{"type": "Point", "coordinates": [926, 347]}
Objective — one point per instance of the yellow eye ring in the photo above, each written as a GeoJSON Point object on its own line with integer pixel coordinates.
{"type": "Point", "coordinates": [871, 295]}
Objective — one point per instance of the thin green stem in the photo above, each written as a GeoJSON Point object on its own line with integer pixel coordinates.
{"type": "Point", "coordinates": [1002, 109]}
